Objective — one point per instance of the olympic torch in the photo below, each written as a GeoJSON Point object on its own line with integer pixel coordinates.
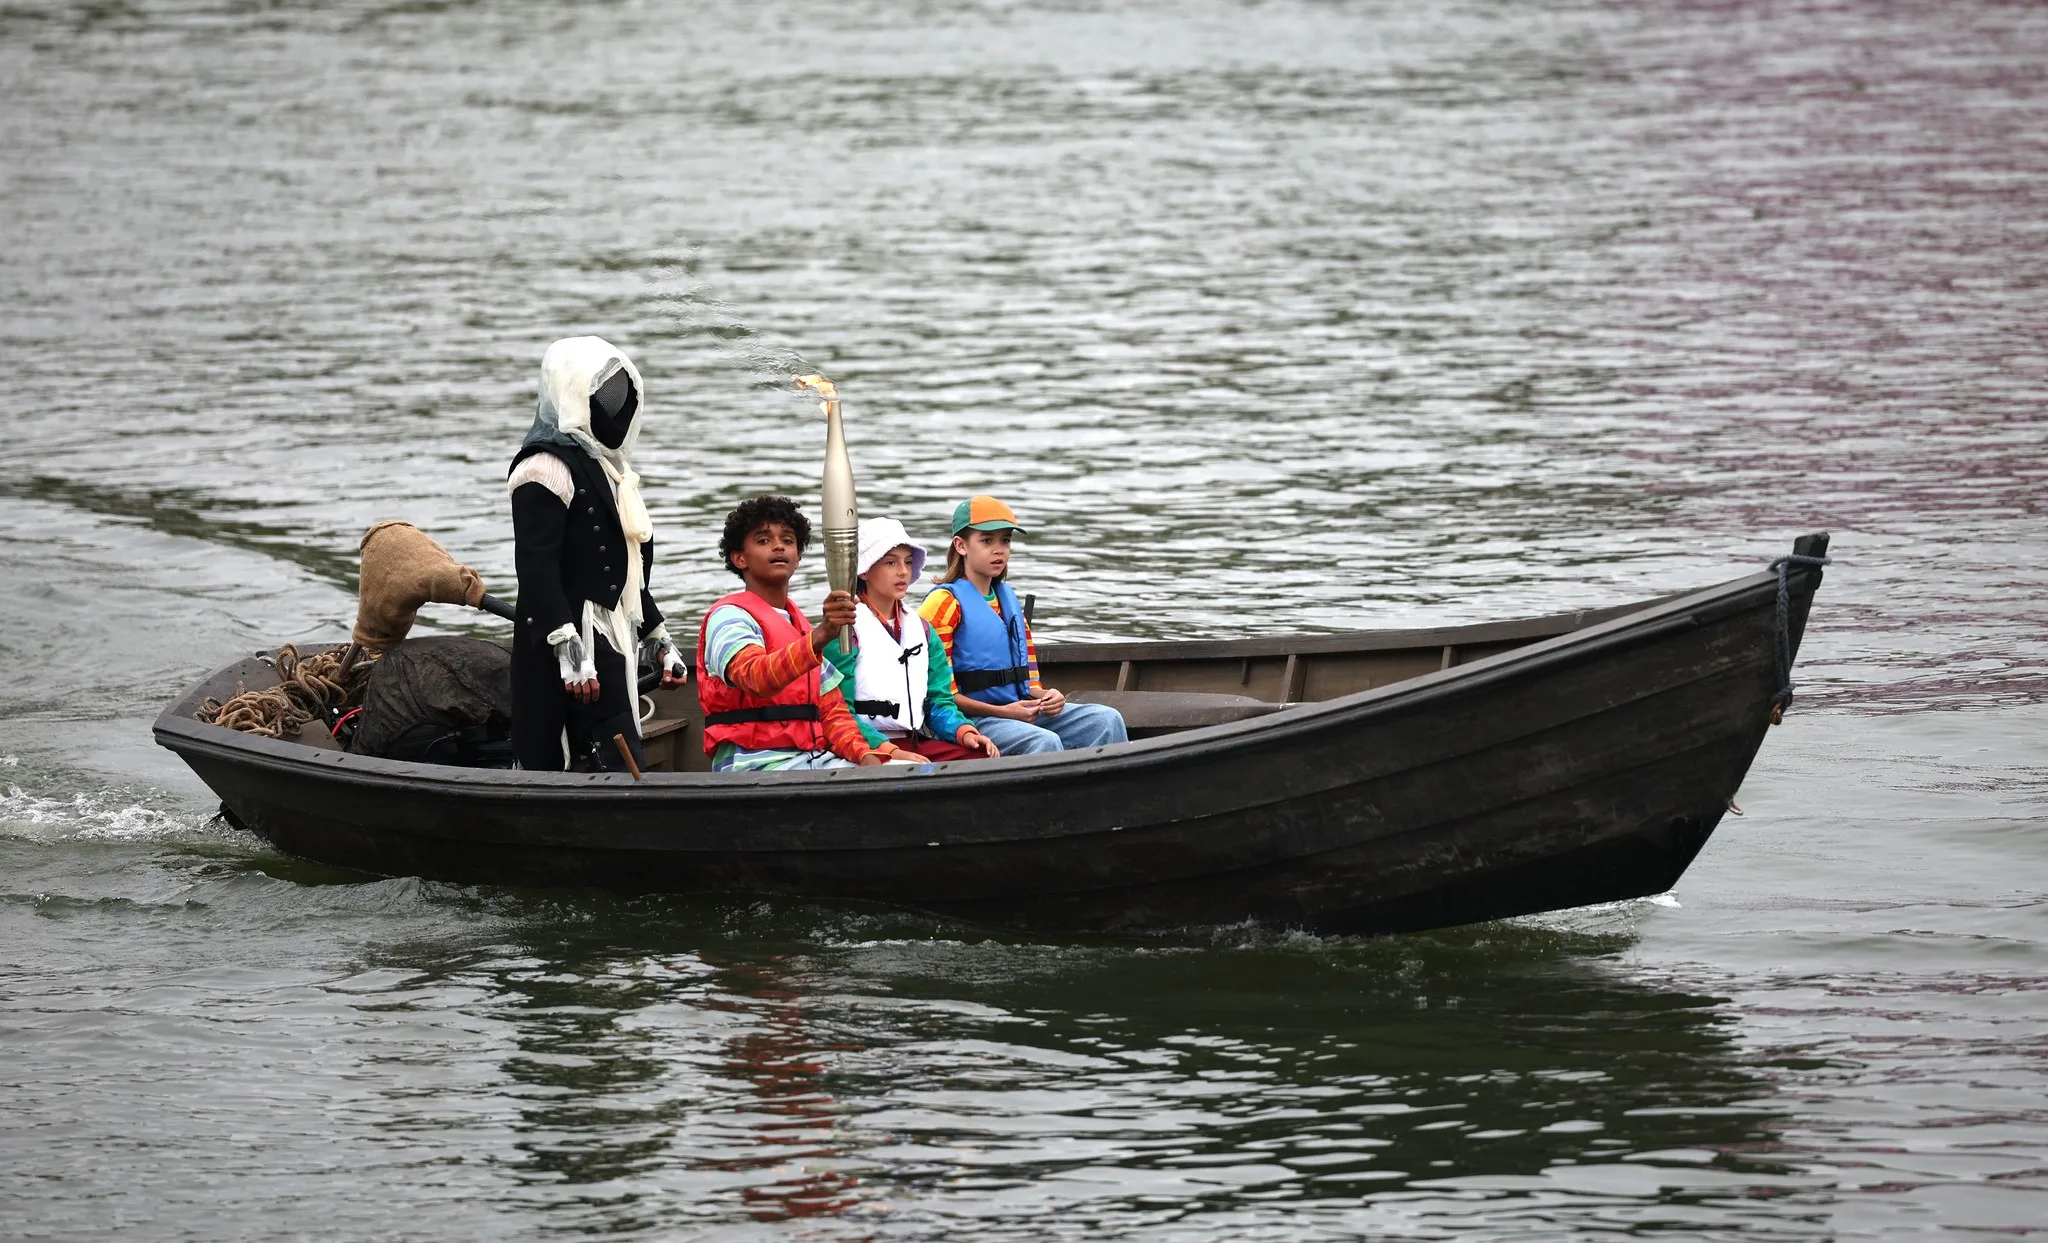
{"type": "Point", "coordinates": [841, 519]}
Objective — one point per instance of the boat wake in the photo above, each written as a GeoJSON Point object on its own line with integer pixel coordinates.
{"type": "Point", "coordinates": [101, 815]}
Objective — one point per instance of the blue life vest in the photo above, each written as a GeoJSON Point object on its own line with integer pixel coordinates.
{"type": "Point", "coordinates": [990, 660]}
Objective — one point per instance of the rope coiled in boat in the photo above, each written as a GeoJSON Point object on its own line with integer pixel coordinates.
{"type": "Point", "coordinates": [308, 688]}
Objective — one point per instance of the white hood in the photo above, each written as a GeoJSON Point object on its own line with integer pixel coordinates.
{"type": "Point", "coordinates": [571, 370]}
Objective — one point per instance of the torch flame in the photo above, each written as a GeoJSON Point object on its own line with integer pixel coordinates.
{"type": "Point", "coordinates": [826, 390]}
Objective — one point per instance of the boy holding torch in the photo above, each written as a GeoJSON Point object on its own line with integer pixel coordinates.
{"type": "Point", "coordinates": [770, 699]}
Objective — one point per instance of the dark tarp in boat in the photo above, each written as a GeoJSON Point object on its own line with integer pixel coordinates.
{"type": "Point", "coordinates": [440, 700]}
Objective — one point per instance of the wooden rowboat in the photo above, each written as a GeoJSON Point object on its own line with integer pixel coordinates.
{"type": "Point", "coordinates": [1355, 783]}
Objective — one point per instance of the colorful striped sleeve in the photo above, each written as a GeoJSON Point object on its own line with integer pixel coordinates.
{"type": "Point", "coordinates": [1031, 659]}
{"type": "Point", "coordinates": [840, 659]}
{"type": "Point", "coordinates": [943, 612]}
{"type": "Point", "coordinates": [735, 652]}
{"type": "Point", "coordinates": [838, 665]}
{"type": "Point", "coordinates": [868, 733]}
{"type": "Point", "coordinates": [841, 667]}
{"type": "Point", "coordinates": [842, 730]}
{"type": "Point", "coordinates": [728, 630]}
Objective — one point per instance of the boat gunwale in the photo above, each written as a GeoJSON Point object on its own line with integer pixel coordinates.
{"type": "Point", "coordinates": [1345, 642]}
{"type": "Point", "coordinates": [179, 732]}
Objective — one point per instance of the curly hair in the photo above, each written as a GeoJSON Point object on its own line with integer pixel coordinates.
{"type": "Point", "coordinates": [754, 513]}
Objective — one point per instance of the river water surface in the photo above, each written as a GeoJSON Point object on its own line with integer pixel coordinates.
{"type": "Point", "coordinates": [1267, 317]}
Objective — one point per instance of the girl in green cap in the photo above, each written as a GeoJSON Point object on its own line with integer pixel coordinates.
{"type": "Point", "coordinates": [995, 664]}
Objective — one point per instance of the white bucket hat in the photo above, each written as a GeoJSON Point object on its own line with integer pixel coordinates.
{"type": "Point", "coordinates": [878, 536]}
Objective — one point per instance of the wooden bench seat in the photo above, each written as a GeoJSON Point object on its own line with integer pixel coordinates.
{"type": "Point", "coordinates": [672, 745]}
{"type": "Point", "coordinates": [1150, 713]}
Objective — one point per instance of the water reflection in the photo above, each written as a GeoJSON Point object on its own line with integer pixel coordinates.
{"type": "Point", "coordinates": [576, 1072]}
{"type": "Point", "coordinates": [784, 1065]}
{"type": "Point", "coordinates": [800, 1063]}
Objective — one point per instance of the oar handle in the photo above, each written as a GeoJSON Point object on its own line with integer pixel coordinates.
{"type": "Point", "coordinates": [626, 754]}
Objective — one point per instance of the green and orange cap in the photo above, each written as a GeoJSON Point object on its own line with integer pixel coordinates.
{"type": "Point", "coordinates": [984, 513]}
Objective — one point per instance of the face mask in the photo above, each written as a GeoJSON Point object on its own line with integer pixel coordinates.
{"type": "Point", "coordinates": [611, 410]}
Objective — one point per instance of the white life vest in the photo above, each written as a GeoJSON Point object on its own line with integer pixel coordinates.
{"type": "Point", "coordinates": [890, 678]}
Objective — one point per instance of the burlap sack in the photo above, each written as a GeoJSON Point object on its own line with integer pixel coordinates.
{"type": "Point", "coordinates": [403, 568]}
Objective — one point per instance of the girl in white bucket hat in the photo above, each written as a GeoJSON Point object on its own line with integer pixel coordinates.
{"type": "Point", "coordinates": [900, 683]}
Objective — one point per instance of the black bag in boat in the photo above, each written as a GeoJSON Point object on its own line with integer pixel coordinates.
{"type": "Point", "coordinates": [441, 700]}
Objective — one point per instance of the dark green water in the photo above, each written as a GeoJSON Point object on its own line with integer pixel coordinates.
{"type": "Point", "coordinates": [1267, 317]}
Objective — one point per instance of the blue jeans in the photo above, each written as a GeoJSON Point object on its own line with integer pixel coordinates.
{"type": "Point", "coordinates": [1078, 726]}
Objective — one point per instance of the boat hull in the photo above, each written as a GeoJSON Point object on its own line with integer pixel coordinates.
{"type": "Point", "coordinates": [1586, 768]}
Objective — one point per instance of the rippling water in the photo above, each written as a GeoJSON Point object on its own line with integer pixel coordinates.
{"type": "Point", "coordinates": [1267, 317]}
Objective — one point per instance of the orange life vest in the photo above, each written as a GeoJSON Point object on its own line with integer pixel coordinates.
{"type": "Point", "coordinates": [786, 722]}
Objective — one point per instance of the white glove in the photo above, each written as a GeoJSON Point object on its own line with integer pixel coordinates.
{"type": "Point", "coordinates": [575, 663]}
{"type": "Point", "coordinates": [661, 650]}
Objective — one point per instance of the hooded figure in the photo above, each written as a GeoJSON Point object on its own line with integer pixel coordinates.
{"type": "Point", "coordinates": [583, 546]}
